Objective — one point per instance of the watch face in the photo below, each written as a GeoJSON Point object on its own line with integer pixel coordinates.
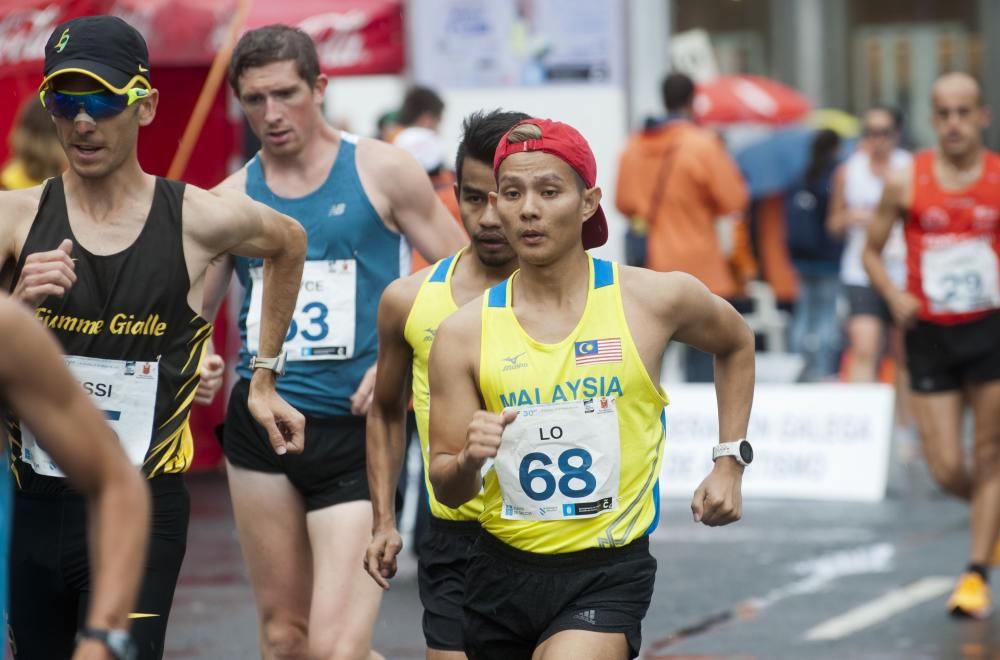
{"type": "Point", "coordinates": [746, 452]}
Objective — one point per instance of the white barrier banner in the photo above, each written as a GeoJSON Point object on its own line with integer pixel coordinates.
{"type": "Point", "coordinates": [821, 442]}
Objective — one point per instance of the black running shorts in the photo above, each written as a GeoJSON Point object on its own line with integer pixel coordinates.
{"type": "Point", "coordinates": [866, 301]}
{"type": "Point", "coordinates": [331, 470]}
{"type": "Point", "coordinates": [442, 556]}
{"type": "Point", "coordinates": [515, 600]}
{"type": "Point", "coordinates": [50, 574]}
{"type": "Point", "coordinates": [946, 357]}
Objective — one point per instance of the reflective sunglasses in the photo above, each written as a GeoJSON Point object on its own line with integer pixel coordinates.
{"type": "Point", "coordinates": [99, 104]}
{"type": "Point", "coordinates": [872, 132]}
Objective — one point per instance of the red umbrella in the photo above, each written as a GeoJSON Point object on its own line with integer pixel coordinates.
{"type": "Point", "coordinates": [734, 99]}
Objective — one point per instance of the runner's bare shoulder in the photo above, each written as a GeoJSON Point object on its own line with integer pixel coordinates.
{"type": "Point", "coordinates": [17, 211]}
{"type": "Point", "coordinates": [459, 335]}
{"type": "Point", "coordinates": [393, 167]}
{"type": "Point", "coordinates": [650, 295]}
{"type": "Point", "coordinates": [899, 187]}
{"type": "Point", "coordinates": [235, 181]}
{"type": "Point", "coordinates": [210, 214]}
{"type": "Point", "coordinates": [398, 298]}
{"type": "Point", "coordinates": [20, 204]}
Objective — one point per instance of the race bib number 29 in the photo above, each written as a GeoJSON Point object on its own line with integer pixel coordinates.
{"type": "Point", "coordinates": [961, 278]}
{"type": "Point", "coordinates": [322, 327]}
{"type": "Point", "coordinates": [560, 461]}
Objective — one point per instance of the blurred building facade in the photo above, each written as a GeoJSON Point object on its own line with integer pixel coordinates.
{"type": "Point", "coordinates": [852, 54]}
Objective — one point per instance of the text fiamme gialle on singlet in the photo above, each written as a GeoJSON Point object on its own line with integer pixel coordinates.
{"type": "Point", "coordinates": [119, 324]}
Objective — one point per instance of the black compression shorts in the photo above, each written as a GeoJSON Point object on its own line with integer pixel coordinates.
{"type": "Point", "coordinates": [442, 555]}
{"type": "Point", "coordinates": [50, 572]}
{"type": "Point", "coordinates": [515, 600]}
{"type": "Point", "coordinates": [331, 470]}
{"type": "Point", "coordinates": [947, 357]}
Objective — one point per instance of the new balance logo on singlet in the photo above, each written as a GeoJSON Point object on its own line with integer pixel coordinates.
{"type": "Point", "coordinates": [338, 209]}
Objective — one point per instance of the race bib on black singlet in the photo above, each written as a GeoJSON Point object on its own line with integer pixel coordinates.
{"type": "Point", "coordinates": [124, 391]}
{"type": "Point", "coordinates": [322, 327]}
{"type": "Point", "coordinates": [560, 461]}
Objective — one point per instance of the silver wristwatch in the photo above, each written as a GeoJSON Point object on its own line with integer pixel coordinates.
{"type": "Point", "coordinates": [275, 364]}
{"type": "Point", "coordinates": [118, 642]}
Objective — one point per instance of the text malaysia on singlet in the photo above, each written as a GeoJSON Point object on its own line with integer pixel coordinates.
{"type": "Point", "coordinates": [560, 461]}
{"type": "Point", "coordinates": [322, 327]}
{"type": "Point", "coordinates": [124, 390]}
{"type": "Point", "coordinates": [960, 276]}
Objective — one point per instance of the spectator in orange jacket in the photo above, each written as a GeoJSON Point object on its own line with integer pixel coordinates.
{"type": "Point", "coordinates": [677, 180]}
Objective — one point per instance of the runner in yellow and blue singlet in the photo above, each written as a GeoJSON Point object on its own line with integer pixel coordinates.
{"type": "Point", "coordinates": [552, 375]}
{"type": "Point", "coordinates": [410, 312]}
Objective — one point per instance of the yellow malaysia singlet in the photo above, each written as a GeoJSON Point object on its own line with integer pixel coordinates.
{"type": "Point", "coordinates": [433, 305]}
{"type": "Point", "coordinates": [597, 360]}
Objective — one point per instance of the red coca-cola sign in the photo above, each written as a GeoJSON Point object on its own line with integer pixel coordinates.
{"type": "Point", "coordinates": [352, 36]}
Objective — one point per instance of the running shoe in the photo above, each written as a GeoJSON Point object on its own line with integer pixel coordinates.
{"type": "Point", "coordinates": [971, 597]}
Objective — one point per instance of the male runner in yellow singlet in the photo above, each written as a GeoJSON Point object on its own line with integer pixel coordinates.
{"type": "Point", "coordinates": [565, 358]}
{"type": "Point", "coordinates": [410, 312]}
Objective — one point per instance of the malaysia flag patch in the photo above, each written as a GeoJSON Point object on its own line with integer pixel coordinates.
{"type": "Point", "coordinates": [596, 351]}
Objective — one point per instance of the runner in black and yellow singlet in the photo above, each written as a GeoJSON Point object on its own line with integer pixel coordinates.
{"type": "Point", "coordinates": [42, 392]}
{"type": "Point", "coordinates": [410, 312]}
{"type": "Point", "coordinates": [112, 260]}
{"type": "Point", "coordinates": [553, 374]}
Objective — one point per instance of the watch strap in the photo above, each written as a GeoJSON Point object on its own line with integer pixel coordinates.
{"type": "Point", "coordinates": [118, 642]}
{"type": "Point", "coordinates": [729, 449]}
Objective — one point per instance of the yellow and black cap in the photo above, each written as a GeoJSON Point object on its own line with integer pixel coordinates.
{"type": "Point", "coordinates": [105, 48]}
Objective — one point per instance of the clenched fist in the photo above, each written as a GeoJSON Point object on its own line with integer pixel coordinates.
{"type": "Point", "coordinates": [482, 438]}
{"type": "Point", "coordinates": [46, 274]}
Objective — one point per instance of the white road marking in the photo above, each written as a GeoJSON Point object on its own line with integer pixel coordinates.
{"type": "Point", "coordinates": [880, 609]}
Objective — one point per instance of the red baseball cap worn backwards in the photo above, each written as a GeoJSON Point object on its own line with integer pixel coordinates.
{"type": "Point", "coordinates": [565, 143]}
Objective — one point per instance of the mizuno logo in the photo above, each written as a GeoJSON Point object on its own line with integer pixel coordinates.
{"type": "Point", "coordinates": [513, 362]}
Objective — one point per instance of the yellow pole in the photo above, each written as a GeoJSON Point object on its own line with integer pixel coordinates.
{"type": "Point", "coordinates": [208, 91]}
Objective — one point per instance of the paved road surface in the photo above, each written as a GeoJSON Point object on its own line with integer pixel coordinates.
{"type": "Point", "coordinates": [796, 580]}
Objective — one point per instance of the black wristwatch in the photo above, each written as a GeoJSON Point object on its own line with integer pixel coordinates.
{"type": "Point", "coordinates": [118, 642]}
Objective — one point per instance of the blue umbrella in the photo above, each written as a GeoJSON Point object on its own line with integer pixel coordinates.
{"type": "Point", "coordinates": [772, 165]}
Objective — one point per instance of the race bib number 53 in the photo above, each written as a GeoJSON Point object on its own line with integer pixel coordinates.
{"type": "Point", "coordinates": [322, 327]}
{"type": "Point", "coordinates": [560, 461]}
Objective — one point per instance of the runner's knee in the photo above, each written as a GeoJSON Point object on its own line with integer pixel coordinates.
{"type": "Point", "coordinates": [987, 454]}
{"type": "Point", "coordinates": [341, 647]}
{"type": "Point", "coordinates": [285, 640]}
{"type": "Point", "coordinates": [950, 473]}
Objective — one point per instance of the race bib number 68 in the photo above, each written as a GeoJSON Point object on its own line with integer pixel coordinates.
{"type": "Point", "coordinates": [560, 461]}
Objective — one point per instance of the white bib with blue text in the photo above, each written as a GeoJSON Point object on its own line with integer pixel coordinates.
{"type": "Point", "coordinates": [322, 327]}
{"type": "Point", "coordinates": [961, 278]}
{"type": "Point", "coordinates": [125, 391]}
{"type": "Point", "coordinates": [560, 461]}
